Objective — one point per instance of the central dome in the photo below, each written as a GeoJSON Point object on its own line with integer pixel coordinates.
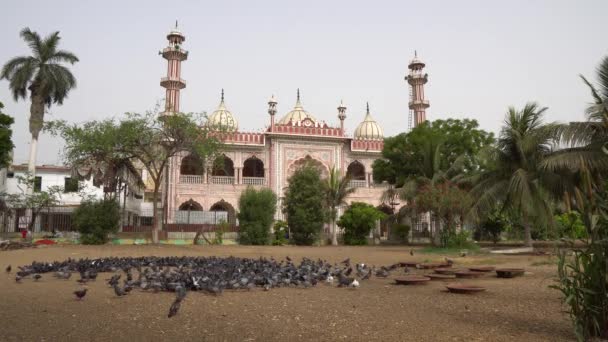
{"type": "Point", "coordinates": [297, 114]}
{"type": "Point", "coordinates": [368, 129]}
{"type": "Point", "coordinates": [222, 118]}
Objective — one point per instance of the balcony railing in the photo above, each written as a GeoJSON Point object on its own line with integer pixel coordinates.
{"type": "Point", "coordinates": [254, 180]}
{"type": "Point", "coordinates": [222, 179]}
{"type": "Point", "coordinates": [358, 183]}
{"type": "Point", "coordinates": [191, 179]}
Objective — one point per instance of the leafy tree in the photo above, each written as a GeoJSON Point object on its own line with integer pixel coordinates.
{"type": "Point", "coordinates": [515, 176]}
{"type": "Point", "coordinates": [358, 220]}
{"type": "Point", "coordinates": [44, 76]}
{"type": "Point", "coordinates": [95, 219]}
{"type": "Point", "coordinates": [34, 202]}
{"type": "Point", "coordinates": [493, 226]}
{"type": "Point", "coordinates": [430, 147]}
{"type": "Point", "coordinates": [280, 233]}
{"type": "Point", "coordinates": [6, 142]}
{"type": "Point", "coordinates": [571, 225]}
{"type": "Point", "coordinates": [146, 139]}
{"type": "Point", "coordinates": [336, 189]}
{"type": "Point", "coordinates": [303, 205]}
{"type": "Point", "coordinates": [256, 214]}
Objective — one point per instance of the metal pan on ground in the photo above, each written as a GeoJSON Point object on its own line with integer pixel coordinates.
{"type": "Point", "coordinates": [412, 280]}
{"type": "Point", "coordinates": [482, 268]}
{"type": "Point", "coordinates": [509, 272]}
{"type": "Point", "coordinates": [465, 288]}
{"type": "Point", "coordinates": [437, 276]}
{"type": "Point", "coordinates": [469, 274]}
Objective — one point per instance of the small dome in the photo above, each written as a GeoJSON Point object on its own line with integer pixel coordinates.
{"type": "Point", "coordinates": [222, 118]}
{"type": "Point", "coordinates": [368, 129]}
{"type": "Point", "coordinates": [297, 114]}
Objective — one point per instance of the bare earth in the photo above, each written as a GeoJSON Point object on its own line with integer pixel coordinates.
{"type": "Point", "coordinates": [520, 309]}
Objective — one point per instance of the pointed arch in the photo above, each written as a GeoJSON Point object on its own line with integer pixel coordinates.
{"type": "Point", "coordinates": [356, 171]}
{"type": "Point", "coordinates": [191, 205]}
{"type": "Point", "coordinates": [222, 205]}
{"type": "Point", "coordinates": [308, 160]}
{"type": "Point", "coordinates": [253, 167]}
{"type": "Point", "coordinates": [223, 166]}
{"type": "Point", "coordinates": [191, 165]}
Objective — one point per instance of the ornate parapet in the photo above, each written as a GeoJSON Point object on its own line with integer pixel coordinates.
{"type": "Point", "coordinates": [366, 145]}
{"type": "Point", "coordinates": [242, 138]}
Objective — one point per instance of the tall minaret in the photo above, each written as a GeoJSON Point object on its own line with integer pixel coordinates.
{"type": "Point", "coordinates": [174, 54]}
{"type": "Point", "coordinates": [416, 79]}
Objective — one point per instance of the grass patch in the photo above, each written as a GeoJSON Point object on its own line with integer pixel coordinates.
{"type": "Point", "coordinates": [546, 262]}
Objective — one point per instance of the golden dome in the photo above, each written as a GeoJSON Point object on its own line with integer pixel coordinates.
{"type": "Point", "coordinates": [222, 118]}
{"type": "Point", "coordinates": [297, 114]}
{"type": "Point", "coordinates": [368, 129]}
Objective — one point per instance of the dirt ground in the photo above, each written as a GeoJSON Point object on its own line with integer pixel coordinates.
{"type": "Point", "coordinates": [519, 309]}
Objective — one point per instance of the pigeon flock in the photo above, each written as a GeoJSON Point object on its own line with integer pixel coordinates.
{"type": "Point", "coordinates": [211, 275]}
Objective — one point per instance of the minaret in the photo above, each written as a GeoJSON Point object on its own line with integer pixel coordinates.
{"type": "Point", "coordinates": [342, 115]}
{"type": "Point", "coordinates": [416, 79]}
{"type": "Point", "coordinates": [174, 54]}
{"type": "Point", "coordinates": [272, 110]}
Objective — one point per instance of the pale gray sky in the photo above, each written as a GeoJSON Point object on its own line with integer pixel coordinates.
{"type": "Point", "coordinates": [482, 56]}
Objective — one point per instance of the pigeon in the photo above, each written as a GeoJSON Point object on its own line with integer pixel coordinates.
{"type": "Point", "coordinates": [174, 308]}
{"type": "Point", "coordinates": [367, 275]}
{"type": "Point", "coordinates": [349, 271]}
{"type": "Point", "coordinates": [355, 283]}
{"type": "Point", "coordinates": [345, 281]}
{"type": "Point", "coordinates": [114, 280]}
{"type": "Point", "coordinates": [18, 278]}
{"type": "Point", "coordinates": [9, 268]}
{"type": "Point", "coordinates": [449, 261]}
{"type": "Point", "coordinates": [180, 293]}
{"type": "Point", "coordinates": [80, 293]}
{"type": "Point", "coordinates": [37, 277]}
{"type": "Point", "coordinates": [463, 253]}
{"type": "Point", "coordinates": [411, 252]}
{"type": "Point", "coordinates": [382, 272]}
{"type": "Point", "coordinates": [119, 292]}
{"type": "Point", "coordinates": [346, 261]}
{"type": "Point", "coordinates": [330, 279]}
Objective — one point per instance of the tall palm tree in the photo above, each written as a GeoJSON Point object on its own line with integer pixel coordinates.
{"type": "Point", "coordinates": [44, 76]}
{"type": "Point", "coordinates": [336, 190]}
{"type": "Point", "coordinates": [515, 177]}
{"type": "Point", "coordinates": [584, 155]}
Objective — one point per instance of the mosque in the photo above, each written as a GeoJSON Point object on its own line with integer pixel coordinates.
{"type": "Point", "coordinates": [267, 159]}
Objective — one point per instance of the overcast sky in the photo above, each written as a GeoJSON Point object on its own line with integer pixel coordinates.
{"type": "Point", "coordinates": [481, 56]}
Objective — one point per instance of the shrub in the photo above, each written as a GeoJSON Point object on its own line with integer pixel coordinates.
{"type": "Point", "coordinates": [493, 227]}
{"type": "Point", "coordinates": [280, 233]}
{"type": "Point", "coordinates": [223, 226]}
{"type": "Point", "coordinates": [358, 220]}
{"type": "Point", "coordinates": [95, 220]}
{"type": "Point", "coordinates": [303, 205]}
{"type": "Point", "coordinates": [402, 232]}
{"type": "Point", "coordinates": [256, 213]}
{"type": "Point", "coordinates": [570, 225]}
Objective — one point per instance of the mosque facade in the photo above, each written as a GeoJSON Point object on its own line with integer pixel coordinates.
{"type": "Point", "coordinates": [267, 159]}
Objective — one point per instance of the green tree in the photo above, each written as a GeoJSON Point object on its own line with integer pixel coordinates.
{"type": "Point", "coordinates": [303, 205]}
{"type": "Point", "coordinates": [44, 76]}
{"type": "Point", "coordinates": [515, 176]}
{"type": "Point", "coordinates": [358, 220]}
{"type": "Point", "coordinates": [95, 219]}
{"type": "Point", "coordinates": [146, 139]}
{"type": "Point", "coordinates": [34, 202]}
{"type": "Point", "coordinates": [256, 215]}
{"type": "Point", "coordinates": [430, 147]}
{"type": "Point", "coordinates": [6, 142]}
{"type": "Point", "coordinates": [336, 189]}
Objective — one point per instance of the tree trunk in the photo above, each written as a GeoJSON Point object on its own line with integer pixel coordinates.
{"type": "Point", "coordinates": [156, 223]}
{"type": "Point", "coordinates": [527, 232]}
{"type": "Point", "coordinates": [334, 233]}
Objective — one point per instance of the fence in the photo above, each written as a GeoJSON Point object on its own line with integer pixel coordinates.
{"type": "Point", "coordinates": [60, 219]}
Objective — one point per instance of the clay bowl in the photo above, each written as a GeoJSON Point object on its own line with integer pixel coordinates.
{"type": "Point", "coordinates": [465, 288]}
{"type": "Point", "coordinates": [509, 272]}
{"type": "Point", "coordinates": [437, 276]}
{"type": "Point", "coordinates": [445, 270]}
{"type": "Point", "coordinates": [411, 280]}
{"type": "Point", "coordinates": [482, 269]}
{"type": "Point", "coordinates": [469, 274]}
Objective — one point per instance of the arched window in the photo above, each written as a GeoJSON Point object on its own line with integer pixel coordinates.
{"type": "Point", "coordinates": [191, 165]}
{"type": "Point", "coordinates": [191, 205]}
{"type": "Point", "coordinates": [223, 166]}
{"type": "Point", "coordinates": [253, 167]}
{"type": "Point", "coordinates": [356, 171]}
{"type": "Point", "coordinates": [227, 207]}
{"type": "Point", "coordinates": [308, 160]}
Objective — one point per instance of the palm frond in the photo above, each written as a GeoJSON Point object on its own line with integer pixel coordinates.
{"type": "Point", "coordinates": [33, 40]}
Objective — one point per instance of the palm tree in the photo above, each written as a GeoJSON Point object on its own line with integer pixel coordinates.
{"type": "Point", "coordinates": [336, 190]}
{"type": "Point", "coordinates": [515, 177]}
{"type": "Point", "coordinates": [43, 74]}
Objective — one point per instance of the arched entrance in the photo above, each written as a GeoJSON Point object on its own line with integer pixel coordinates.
{"type": "Point", "coordinates": [308, 160]}
{"type": "Point", "coordinates": [356, 171]}
{"type": "Point", "coordinates": [227, 207]}
{"type": "Point", "coordinates": [191, 205]}
{"type": "Point", "coordinates": [191, 165]}
{"type": "Point", "coordinates": [223, 167]}
{"type": "Point", "coordinates": [253, 167]}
